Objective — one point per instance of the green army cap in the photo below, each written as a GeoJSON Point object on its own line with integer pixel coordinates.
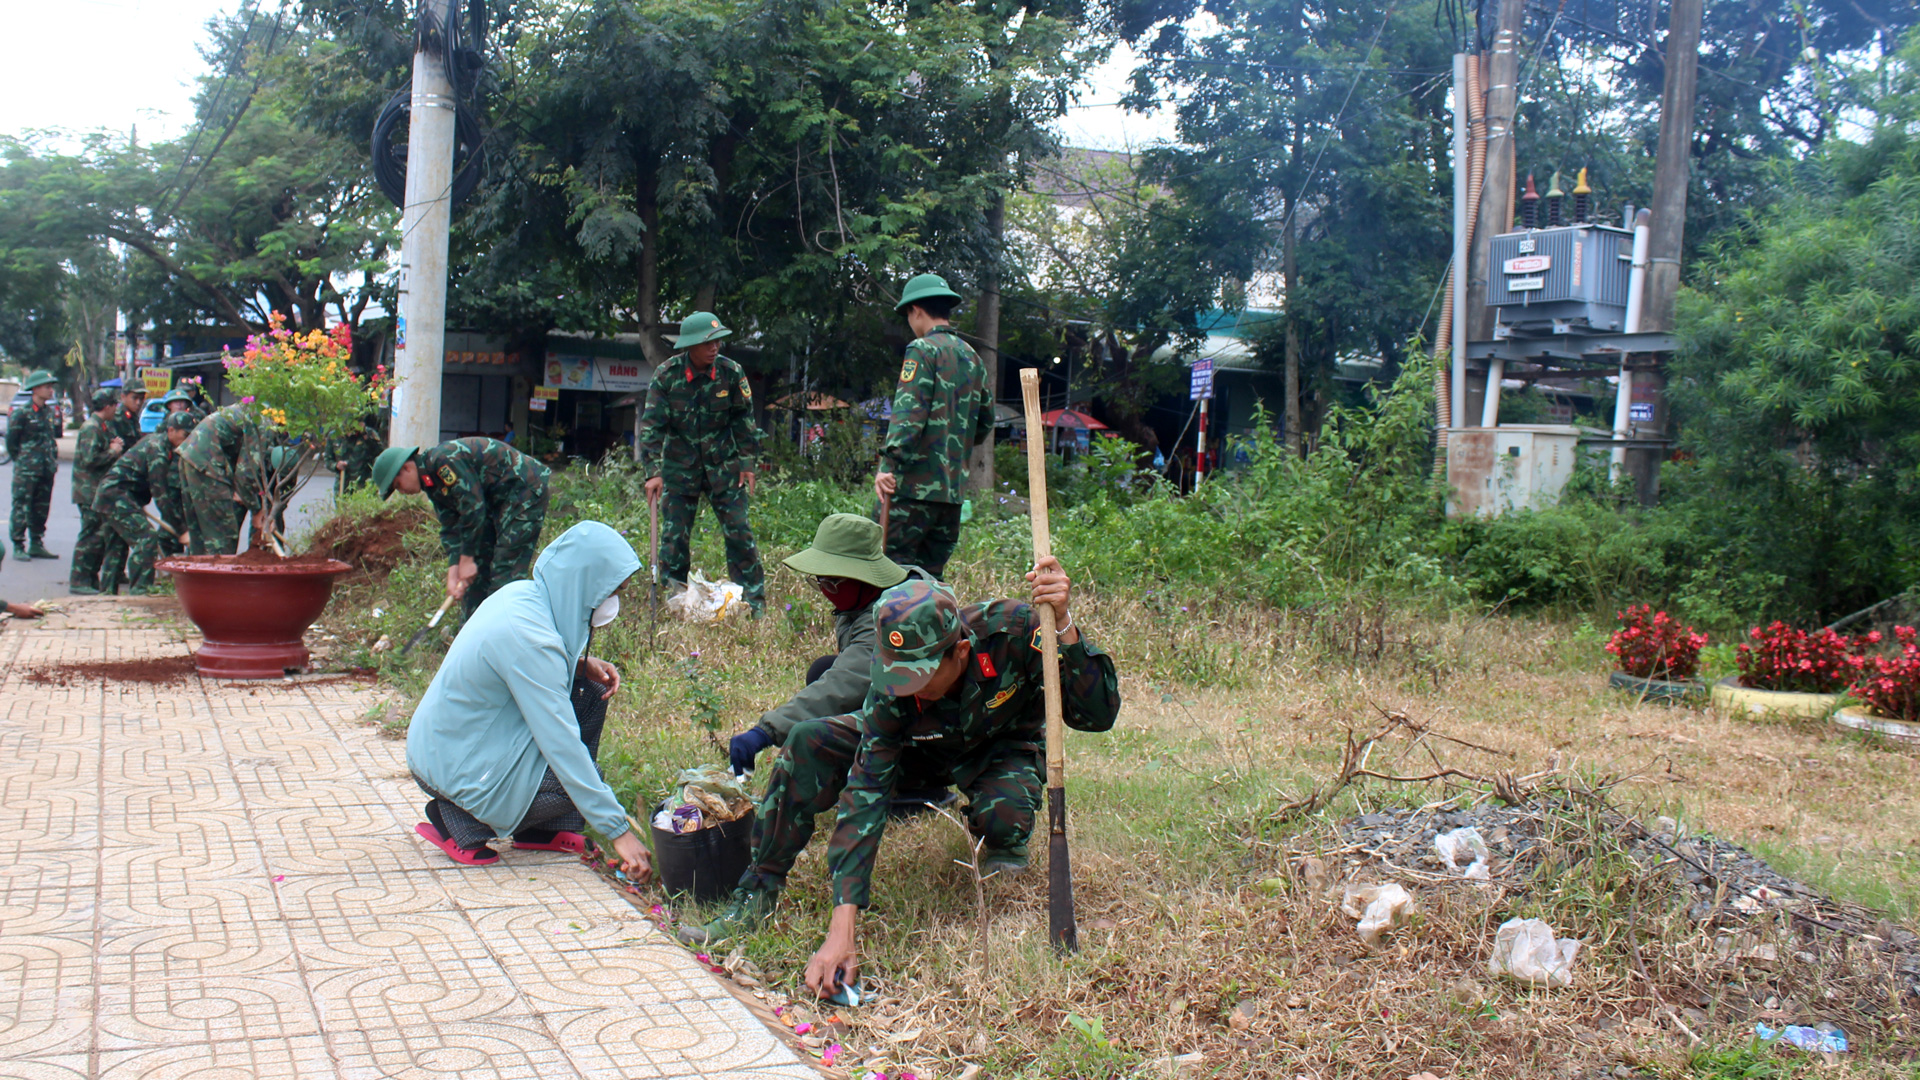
{"type": "Point", "coordinates": [848, 546]}
{"type": "Point", "coordinates": [176, 395]}
{"type": "Point", "coordinates": [37, 379]}
{"type": "Point", "coordinates": [699, 328]}
{"type": "Point", "coordinates": [101, 399]}
{"type": "Point", "coordinates": [387, 466]}
{"type": "Point", "coordinates": [182, 421]}
{"type": "Point", "coordinates": [923, 286]}
{"type": "Point", "coordinates": [915, 623]}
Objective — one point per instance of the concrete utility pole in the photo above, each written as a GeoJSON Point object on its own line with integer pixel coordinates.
{"type": "Point", "coordinates": [1496, 196]}
{"type": "Point", "coordinates": [420, 341]}
{"type": "Point", "coordinates": [980, 466]}
{"type": "Point", "coordinates": [1672, 164]}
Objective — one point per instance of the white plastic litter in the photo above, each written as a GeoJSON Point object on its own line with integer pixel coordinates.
{"type": "Point", "coordinates": [705, 601]}
{"type": "Point", "coordinates": [1378, 907]}
{"type": "Point", "coordinates": [1464, 841]}
{"type": "Point", "coordinates": [1526, 950]}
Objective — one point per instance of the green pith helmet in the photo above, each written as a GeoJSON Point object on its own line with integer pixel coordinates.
{"type": "Point", "coordinates": [915, 623]}
{"type": "Point", "coordinates": [37, 379]}
{"type": "Point", "coordinates": [849, 546]}
{"type": "Point", "coordinates": [176, 395]}
{"type": "Point", "coordinates": [102, 399]}
{"type": "Point", "coordinates": [387, 466]}
{"type": "Point", "coordinates": [699, 328]}
{"type": "Point", "coordinates": [923, 286]}
{"type": "Point", "coordinates": [182, 421]}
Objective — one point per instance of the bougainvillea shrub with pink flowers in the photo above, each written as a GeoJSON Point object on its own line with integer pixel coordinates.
{"type": "Point", "coordinates": [1651, 645]}
{"type": "Point", "coordinates": [1779, 657]}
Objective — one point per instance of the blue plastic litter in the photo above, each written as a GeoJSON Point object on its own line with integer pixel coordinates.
{"type": "Point", "coordinates": [1825, 1039]}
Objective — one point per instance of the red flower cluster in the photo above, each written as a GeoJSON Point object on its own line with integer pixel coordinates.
{"type": "Point", "coordinates": [1890, 686]}
{"type": "Point", "coordinates": [1651, 645]}
{"type": "Point", "coordinates": [1782, 658]}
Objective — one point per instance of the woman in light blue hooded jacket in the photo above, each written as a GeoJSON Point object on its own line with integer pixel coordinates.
{"type": "Point", "coordinates": [505, 739]}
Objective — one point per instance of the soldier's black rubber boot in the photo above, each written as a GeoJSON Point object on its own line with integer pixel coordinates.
{"type": "Point", "coordinates": [1006, 862]}
{"type": "Point", "coordinates": [39, 551]}
{"type": "Point", "coordinates": [745, 913]}
{"type": "Point", "coordinates": [82, 590]}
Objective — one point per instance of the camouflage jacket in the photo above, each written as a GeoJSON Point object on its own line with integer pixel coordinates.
{"type": "Point", "coordinates": [143, 474]}
{"type": "Point", "coordinates": [33, 439]}
{"type": "Point", "coordinates": [996, 705]}
{"type": "Point", "coordinates": [940, 410]}
{"type": "Point", "coordinates": [127, 426]}
{"type": "Point", "coordinates": [473, 479]}
{"type": "Point", "coordinates": [356, 447]}
{"type": "Point", "coordinates": [697, 432]}
{"type": "Point", "coordinates": [231, 446]}
{"type": "Point", "coordinates": [844, 685]}
{"type": "Point", "coordinates": [92, 459]}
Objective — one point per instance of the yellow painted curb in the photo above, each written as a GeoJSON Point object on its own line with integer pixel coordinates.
{"type": "Point", "coordinates": [1861, 720]}
{"type": "Point", "coordinates": [1730, 696]}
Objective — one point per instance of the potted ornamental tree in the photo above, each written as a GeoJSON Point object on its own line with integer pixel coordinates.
{"type": "Point", "coordinates": [1658, 657]}
{"type": "Point", "coordinates": [1791, 672]}
{"type": "Point", "coordinates": [1885, 695]}
{"type": "Point", "coordinates": [253, 609]}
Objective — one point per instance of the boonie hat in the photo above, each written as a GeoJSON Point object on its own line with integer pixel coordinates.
{"type": "Point", "coordinates": [848, 546]}
{"type": "Point", "coordinates": [698, 328]}
{"type": "Point", "coordinates": [387, 466]}
{"type": "Point", "coordinates": [923, 286]}
{"type": "Point", "coordinates": [915, 623]}
{"type": "Point", "coordinates": [38, 378]}
{"type": "Point", "coordinates": [182, 421]}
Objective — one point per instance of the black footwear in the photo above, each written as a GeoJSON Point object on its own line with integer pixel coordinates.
{"type": "Point", "coordinates": [39, 551]}
{"type": "Point", "coordinates": [747, 911]}
{"type": "Point", "coordinates": [914, 802]}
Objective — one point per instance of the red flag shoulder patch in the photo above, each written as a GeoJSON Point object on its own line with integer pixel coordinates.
{"type": "Point", "coordinates": [986, 665]}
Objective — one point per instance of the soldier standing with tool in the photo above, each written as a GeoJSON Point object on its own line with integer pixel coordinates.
{"type": "Point", "coordinates": [940, 410]}
{"type": "Point", "coordinates": [33, 433]}
{"type": "Point", "coordinates": [491, 500]}
{"type": "Point", "coordinates": [143, 474]}
{"type": "Point", "coordinates": [697, 437]}
{"type": "Point", "coordinates": [98, 555]}
{"type": "Point", "coordinates": [222, 463]}
{"type": "Point", "coordinates": [957, 694]}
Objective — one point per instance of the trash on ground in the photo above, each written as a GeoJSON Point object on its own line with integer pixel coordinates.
{"type": "Point", "coordinates": [1378, 907]}
{"type": "Point", "coordinates": [1464, 841]}
{"type": "Point", "coordinates": [707, 796]}
{"type": "Point", "coordinates": [705, 601]}
{"type": "Point", "coordinates": [1526, 950]}
{"type": "Point", "coordinates": [1822, 1039]}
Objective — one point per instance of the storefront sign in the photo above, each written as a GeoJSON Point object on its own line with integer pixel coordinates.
{"type": "Point", "coordinates": [157, 380]}
{"type": "Point", "coordinates": [546, 393]}
{"type": "Point", "coordinates": [601, 373]}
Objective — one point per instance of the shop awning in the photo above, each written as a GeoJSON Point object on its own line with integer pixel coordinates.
{"type": "Point", "coordinates": [1069, 418]}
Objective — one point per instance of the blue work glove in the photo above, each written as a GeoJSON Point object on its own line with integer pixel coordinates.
{"type": "Point", "coordinates": [745, 747]}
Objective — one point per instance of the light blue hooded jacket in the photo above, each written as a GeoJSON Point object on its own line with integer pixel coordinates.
{"type": "Point", "coordinates": [498, 712]}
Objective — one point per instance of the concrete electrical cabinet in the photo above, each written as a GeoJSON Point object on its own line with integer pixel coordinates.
{"type": "Point", "coordinates": [1566, 280]}
{"type": "Point", "coordinates": [1496, 470]}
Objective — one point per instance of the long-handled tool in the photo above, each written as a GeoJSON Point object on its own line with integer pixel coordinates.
{"type": "Point", "coordinates": [653, 571]}
{"type": "Point", "coordinates": [431, 623]}
{"type": "Point", "coordinates": [171, 531]}
{"type": "Point", "coordinates": [886, 518]}
{"type": "Point", "coordinates": [1061, 931]}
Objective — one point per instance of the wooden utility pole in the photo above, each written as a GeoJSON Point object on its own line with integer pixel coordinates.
{"type": "Point", "coordinates": [1496, 196]}
{"type": "Point", "coordinates": [1671, 167]}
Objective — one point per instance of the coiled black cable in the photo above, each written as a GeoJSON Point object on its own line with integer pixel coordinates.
{"type": "Point", "coordinates": [390, 153]}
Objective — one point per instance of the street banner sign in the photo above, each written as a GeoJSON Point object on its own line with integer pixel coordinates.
{"type": "Point", "coordinates": [1202, 382]}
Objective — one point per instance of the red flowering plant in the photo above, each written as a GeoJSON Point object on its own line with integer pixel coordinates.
{"type": "Point", "coordinates": [1653, 645]}
{"type": "Point", "coordinates": [1778, 657]}
{"type": "Point", "coordinates": [1889, 686]}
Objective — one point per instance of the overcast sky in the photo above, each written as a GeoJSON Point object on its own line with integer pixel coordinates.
{"type": "Point", "coordinates": [82, 65]}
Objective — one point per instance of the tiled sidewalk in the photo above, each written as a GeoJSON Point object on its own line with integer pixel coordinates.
{"type": "Point", "coordinates": [216, 881]}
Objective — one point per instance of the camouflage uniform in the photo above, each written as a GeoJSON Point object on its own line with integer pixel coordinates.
{"type": "Point", "coordinates": [98, 555]}
{"type": "Point", "coordinates": [988, 736]}
{"type": "Point", "coordinates": [492, 503]}
{"type": "Point", "coordinates": [143, 474]}
{"type": "Point", "coordinates": [357, 448]}
{"type": "Point", "coordinates": [698, 435]}
{"type": "Point", "coordinates": [224, 456]}
{"type": "Point", "coordinates": [940, 410]}
{"type": "Point", "coordinates": [32, 434]}
{"type": "Point", "coordinates": [126, 424]}
{"type": "Point", "coordinates": [843, 686]}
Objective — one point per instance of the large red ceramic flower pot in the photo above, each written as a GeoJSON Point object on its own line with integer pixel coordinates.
{"type": "Point", "coordinates": [253, 612]}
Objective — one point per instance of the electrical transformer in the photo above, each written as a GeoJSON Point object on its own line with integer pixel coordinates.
{"type": "Point", "coordinates": [1571, 279]}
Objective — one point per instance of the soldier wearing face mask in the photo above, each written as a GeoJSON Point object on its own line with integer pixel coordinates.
{"type": "Point", "coordinates": [848, 567]}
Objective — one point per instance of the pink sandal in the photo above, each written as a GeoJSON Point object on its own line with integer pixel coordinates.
{"type": "Point", "coordinates": [457, 854]}
{"type": "Point", "coordinates": [571, 842]}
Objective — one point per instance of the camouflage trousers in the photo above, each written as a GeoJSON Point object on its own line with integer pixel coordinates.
{"type": "Point", "coordinates": [677, 511]}
{"type": "Point", "coordinates": [134, 535]}
{"type": "Point", "coordinates": [506, 550]}
{"type": "Point", "coordinates": [1002, 787]}
{"type": "Point", "coordinates": [99, 554]}
{"type": "Point", "coordinates": [214, 518]}
{"type": "Point", "coordinates": [32, 497]}
{"type": "Point", "coordinates": [922, 534]}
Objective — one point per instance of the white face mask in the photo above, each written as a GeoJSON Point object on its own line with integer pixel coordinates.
{"type": "Point", "coordinates": [606, 612]}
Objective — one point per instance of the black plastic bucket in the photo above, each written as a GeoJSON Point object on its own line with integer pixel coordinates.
{"type": "Point", "coordinates": [707, 864]}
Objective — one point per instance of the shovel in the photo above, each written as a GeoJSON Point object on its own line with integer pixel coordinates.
{"type": "Point", "coordinates": [1061, 931]}
{"type": "Point", "coordinates": [653, 571]}
{"type": "Point", "coordinates": [171, 531]}
{"type": "Point", "coordinates": [422, 632]}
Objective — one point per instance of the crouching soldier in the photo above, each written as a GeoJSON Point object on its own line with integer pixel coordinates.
{"type": "Point", "coordinates": [143, 474]}
{"type": "Point", "coordinates": [491, 500]}
{"type": "Point", "coordinates": [98, 554]}
{"type": "Point", "coordinates": [222, 464]}
{"type": "Point", "coordinates": [957, 693]}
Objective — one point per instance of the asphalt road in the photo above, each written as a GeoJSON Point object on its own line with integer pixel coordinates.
{"type": "Point", "coordinates": [25, 581]}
